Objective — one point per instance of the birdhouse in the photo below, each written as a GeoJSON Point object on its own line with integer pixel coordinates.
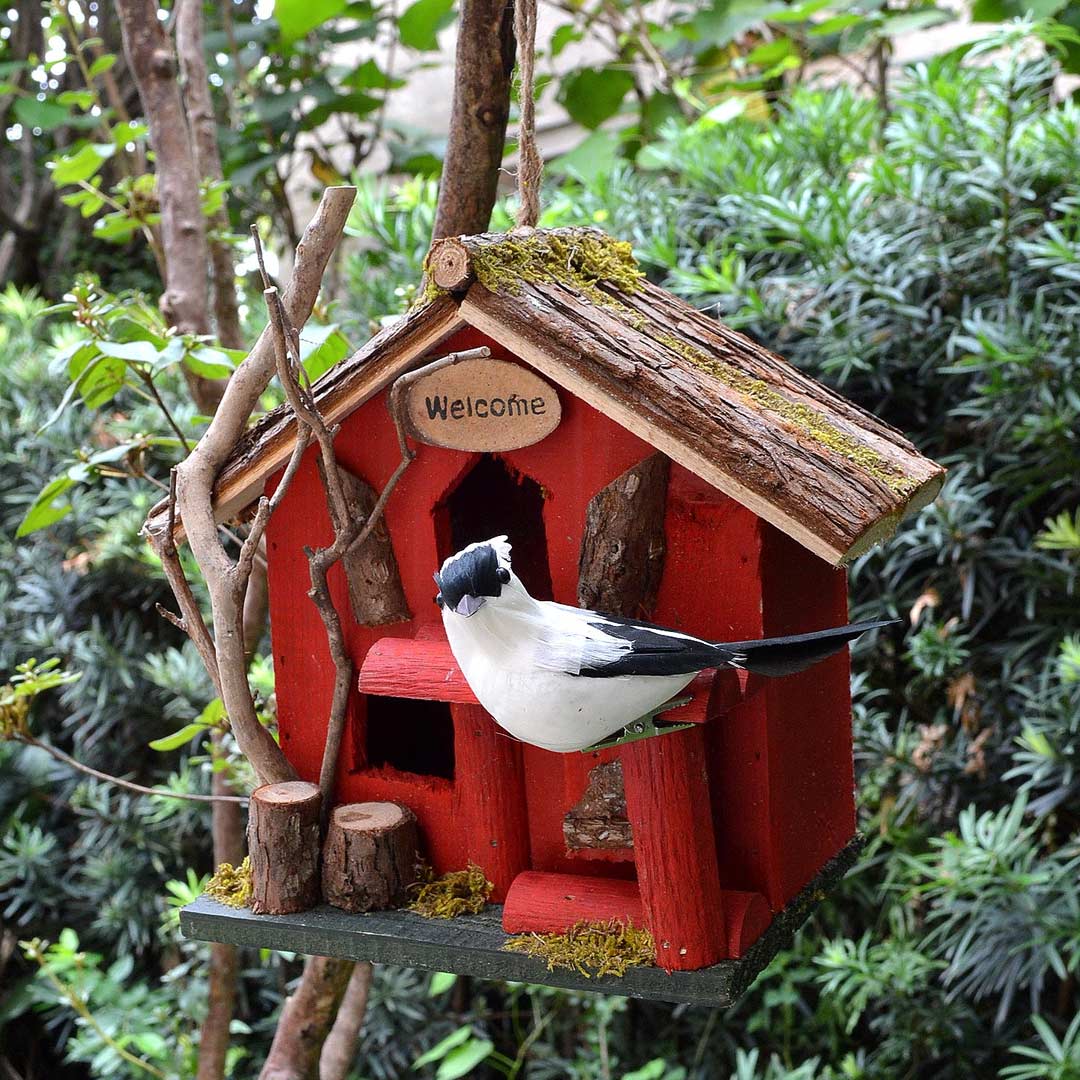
{"type": "Point", "coordinates": [643, 459]}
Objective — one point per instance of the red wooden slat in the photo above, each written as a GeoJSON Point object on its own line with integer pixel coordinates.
{"type": "Point", "coordinates": [410, 668]}
{"type": "Point", "coordinates": [550, 903]}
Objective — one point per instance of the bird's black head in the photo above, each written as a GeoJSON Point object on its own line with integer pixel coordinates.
{"type": "Point", "coordinates": [473, 574]}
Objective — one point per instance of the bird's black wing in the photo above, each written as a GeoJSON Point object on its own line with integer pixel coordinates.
{"type": "Point", "coordinates": [654, 650]}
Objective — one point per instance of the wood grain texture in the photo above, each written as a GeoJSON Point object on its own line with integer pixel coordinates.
{"type": "Point", "coordinates": [369, 856]}
{"type": "Point", "coordinates": [598, 820]}
{"type": "Point", "coordinates": [489, 797]}
{"type": "Point", "coordinates": [424, 670]}
{"type": "Point", "coordinates": [550, 903]}
{"type": "Point", "coordinates": [472, 944]}
{"type": "Point", "coordinates": [376, 595]}
{"type": "Point", "coordinates": [622, 552]}
{"type": "Point", "coordinates": [283, 842]}
{"type": "Point", "coordinates": [667, 796]}
{"type": "Point", "coordinates": [818, 496]}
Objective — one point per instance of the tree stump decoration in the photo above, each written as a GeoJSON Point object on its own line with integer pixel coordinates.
{"type": "Point", "coordinates": [376, 594]}
{"type": "Point", "coordinates": [598, 822]}
{"type": "Point", "coordinates": [622, 551]}
{"type": "Point", "coordinates": [283, 843]}
{"type": "Point", "coordinates": [370, 854]}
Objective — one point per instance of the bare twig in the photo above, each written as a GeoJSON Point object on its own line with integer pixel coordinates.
{"type": "Point", "coordinates": [129, 785]}
{"type": "Point", "coordinates": [194, 497]}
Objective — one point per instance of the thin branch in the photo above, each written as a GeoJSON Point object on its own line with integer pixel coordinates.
{"type": "Point", "coordinates": [129, 785]}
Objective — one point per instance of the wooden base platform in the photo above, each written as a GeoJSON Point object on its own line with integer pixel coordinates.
{"type": "Point", "coordinates": [472, 944]}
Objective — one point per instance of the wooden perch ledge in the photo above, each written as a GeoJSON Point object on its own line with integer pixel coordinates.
{"type": "Point", "coordinates": [573, 304]}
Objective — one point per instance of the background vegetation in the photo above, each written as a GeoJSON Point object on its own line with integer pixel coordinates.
{"type": "Point", "coordinates": [917, 246]}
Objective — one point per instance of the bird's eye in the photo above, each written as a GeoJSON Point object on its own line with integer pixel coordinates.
{"type": "Point", "coordinates": [503, 575]}
{"type": "Point", "coordinates": [439, 599]}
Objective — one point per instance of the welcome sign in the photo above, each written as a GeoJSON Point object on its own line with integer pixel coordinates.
{"type": "Point", "coordinates": [482, 404]}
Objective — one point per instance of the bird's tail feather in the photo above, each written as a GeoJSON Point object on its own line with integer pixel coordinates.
{"type": "Point", "coordinates": [796, 652]}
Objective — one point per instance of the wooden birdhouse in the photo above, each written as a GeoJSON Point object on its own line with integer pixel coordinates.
{"type": "Point", "coordinates": [644, 459]}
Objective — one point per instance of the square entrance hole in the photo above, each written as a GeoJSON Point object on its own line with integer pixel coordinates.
{"type": "Point", "coordinates": [410, 736]}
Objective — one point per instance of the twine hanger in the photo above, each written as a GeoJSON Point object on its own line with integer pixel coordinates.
{"type": "Point", "coordinates": [530, 166]}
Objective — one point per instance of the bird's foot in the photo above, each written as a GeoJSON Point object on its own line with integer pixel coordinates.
{"type": "Point", "coordinates": [645, 727]}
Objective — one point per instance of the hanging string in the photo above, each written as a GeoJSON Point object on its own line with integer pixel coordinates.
{"type": "Point", "coordinates": [530, 166]}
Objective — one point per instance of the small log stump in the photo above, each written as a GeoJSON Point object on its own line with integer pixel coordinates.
{"type": "Point", "coordinates": [283, 842]}
{"type": "Point", "coordinates": [369, 858]}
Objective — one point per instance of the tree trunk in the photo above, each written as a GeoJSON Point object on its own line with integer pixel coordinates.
{"type": "Point", "coordinates": [369, 858]}
{"type": "Point", "coordinates": [283, 843]}
{"type": "Point", "coordinates": [306, 1020]}
{"type": "Point", "coordinates": [484, 63]}
{"type": "Point", "coordinates": [204, 145]}
{"type": "Point", "coordinates": [183, 230]}
{"type": "Point", "coordinates": [340, 1047]}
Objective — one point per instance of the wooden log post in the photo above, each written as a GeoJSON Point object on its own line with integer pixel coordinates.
{"type": "Point", "coordinates": [283, 843]}
{"type": "Point", "coordinates": [667, 796]}
{"type": "Point", "coordinates": [622, 551]}
{"type": "Point", "coordinates": [489, 806]}
{"type": "Point", "coordinates": [370, 856]}
{"type": "Point", "coordinates": [376, 594]}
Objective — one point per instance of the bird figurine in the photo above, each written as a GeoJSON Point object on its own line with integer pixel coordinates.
{"type": "Point", "coordinates": [563, 678]}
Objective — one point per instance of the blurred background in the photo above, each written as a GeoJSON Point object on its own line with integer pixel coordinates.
{"type": "Point", "coordinates": [886, 193]}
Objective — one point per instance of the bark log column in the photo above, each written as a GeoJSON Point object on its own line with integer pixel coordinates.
{"type": "Point", "coordinates": [283, 842]}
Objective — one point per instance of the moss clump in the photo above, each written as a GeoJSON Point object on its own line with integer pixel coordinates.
{"type": "Point", "coordinates": [14, 709]}
{"type": "Point", "coordinates": [461, 892]}
{"type": "Point", "coordinates": [802, 417]}
{"type": "Point", "coordinates": [231, 885]}
{"type": "Point", "coordinates": [582, 260]}
{"type": "Point", "coordinates": [590, 948]}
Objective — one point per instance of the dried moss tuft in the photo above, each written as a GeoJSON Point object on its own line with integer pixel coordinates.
{"type": "Point", "coordinates": [590, 948]}
{"type": "Point", "coordinates": [806, 419]}
{"type": "Point", "coordinates": [231, 885]}
{"type": "Point", "coordinates": [460, 892]}
{"type": "Point", "coordinates": [14, 709]}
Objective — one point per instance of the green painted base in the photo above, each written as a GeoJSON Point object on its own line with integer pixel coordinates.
{"type": "Point", "coordinates": [472, 944]}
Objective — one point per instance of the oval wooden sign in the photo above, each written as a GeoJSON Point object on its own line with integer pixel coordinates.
{"type": "Point", "coordinates": [482, 404]}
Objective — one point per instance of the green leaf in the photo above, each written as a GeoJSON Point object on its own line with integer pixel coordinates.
{"type": "Point", "coordinates": [463, 1059]}
{"type": "Point", "coordinates": [593, 157]}
{"type": "Point", "coordinates": [357, 104]}
{"type": "Point", "coordinates": [102, 64]}
{"type": "Point", "coordinates": [420, 23]}
{"type": "Point", "coordinates": [79, 99]}
{"type": "Point", "coordinates": [46, 115]}
{"type": "Point", "coordinates": [913, 20]}
{"type": "Point", "coordinates": [321, 347]}
{"type": "Point", "coordinates": [563, 36]}
{"type": "Point", "coordinates": [443, 1047]}
{"type": "Point", "coordinates": [296, 17]}
{"type": "Point", "coordinates": [97, 376]}
{"type": "Point", "coordinates": [592, 95]}
{"type": "Point", "coordinates": [143, 352]}
{"type": "Point", "coordinates": [441, 981]}
{"type": "Point", "coordinates": [724, 21]}
{"type": "Point", "coordinates": [81, 165]}
{"type": "Point", "coordinates": [209, 363]}
{"type": "Point", "coordinates": [178, 738]}
{"type": "Point", "coordinates": [44, 510]}
{"type": "Point", "coordinates": [151, 1043]}
{"type": "Point", "coordinates": [369, 76]}
{"type": "Point", "coordinates": [117, 226]}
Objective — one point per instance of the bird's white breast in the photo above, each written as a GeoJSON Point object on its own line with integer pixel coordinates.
{"type": "Point", "coordinates": [496, 651]}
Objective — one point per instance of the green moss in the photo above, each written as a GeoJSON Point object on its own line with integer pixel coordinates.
{"type": "Point", "coordinates": [802, 417]}
{"type": "Point", "coordinates": [589, 948]}
{"type": "Point", "coordinates": [231, 885]}
{"type": "Point", "coordinates": [461, 892]}
{"type": "Point", "coordinates": [583, 260]}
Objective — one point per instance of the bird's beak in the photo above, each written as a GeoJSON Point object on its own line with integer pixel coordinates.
{"type": "Point", "coordinates": [469, 605]}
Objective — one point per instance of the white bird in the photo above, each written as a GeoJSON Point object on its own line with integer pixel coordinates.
{"type": "Point", "coordinates": [563, 678]}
